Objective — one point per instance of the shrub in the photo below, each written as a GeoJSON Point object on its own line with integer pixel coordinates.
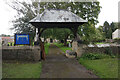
{"type": "Point", "coordinates": [94, 56]}
{"type": "Point", "coordinates": [108, 51]}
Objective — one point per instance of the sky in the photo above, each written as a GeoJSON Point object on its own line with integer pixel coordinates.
{"type": "Point", "coordinates": [109, 12]}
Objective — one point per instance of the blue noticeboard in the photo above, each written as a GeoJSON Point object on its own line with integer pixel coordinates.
{"type": "Point", "coordinates": [22, 39]}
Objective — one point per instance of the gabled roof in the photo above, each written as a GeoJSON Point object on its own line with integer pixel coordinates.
{"type": "Point", "coordinates": [57, 18]}
{"type": "Point", "coordinates": [52, 15]}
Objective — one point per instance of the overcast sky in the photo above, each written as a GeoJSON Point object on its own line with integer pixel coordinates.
{"type": "Point", "coordinates": [109, 12]}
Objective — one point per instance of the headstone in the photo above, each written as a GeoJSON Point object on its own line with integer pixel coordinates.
{"type": "Point", "coordinates": [69, 44]}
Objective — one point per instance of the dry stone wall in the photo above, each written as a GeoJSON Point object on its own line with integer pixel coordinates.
{"type": "Point", "coordinates": [25, 53]}
{"type": "Point", "coordinates": [82, 48]}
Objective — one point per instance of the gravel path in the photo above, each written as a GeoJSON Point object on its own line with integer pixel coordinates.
{"type": "Point", "coordinates": [57, 65]}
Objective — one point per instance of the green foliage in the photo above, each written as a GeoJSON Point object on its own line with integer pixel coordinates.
{"type": "Point", "coordinates": [109, 52]}
{"type": "Point", "coordinates": [90, 33]}
{"type": "Point", "coordinates": [62, 47]}
{"type": "Point", "coordinates": [108, 29]}
{"type": "Point", "coordinates": [94, 56]}
{"type": "Point", "coordinates": [62, 34]}
{"type": "Point", "coordinates": [57, 33]}
{"type": "Point", "coordinates": [47, 34]}
{"type": "Point", "coordinates": [100, 43]}
{"type": "Point", "coordinates": [86, 31]}
{"type": "Point", "coordinates": [113, 26]}
{"type": "Point", "coordinates": [98, 36]}
{"type": "Point", "coordinates": [4, 35]}
{"type": "Point", "coordinates": [86, 10]}
{"type": "Point", "coordinates": [47, 47]}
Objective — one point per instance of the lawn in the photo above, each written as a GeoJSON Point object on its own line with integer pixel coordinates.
{"type": "Point", "coordinates": [21, 69]}
{"type": "Point", "coordinates": [104, 68]}
{"type": "Point", "coordinates": [62, 47]}
{"type": "Point", "coordinates": [99, 43]}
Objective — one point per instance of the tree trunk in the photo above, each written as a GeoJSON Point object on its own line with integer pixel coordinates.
{"type": "Point", "coordinates": [65, 42]}
{"type": "Point", "coordinates": [41, 43]}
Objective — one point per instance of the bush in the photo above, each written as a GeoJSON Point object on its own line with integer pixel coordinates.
{"type": "Point", "coordinates": [94, 56]}
{"type": "Point", "coordinates": [108, 51]}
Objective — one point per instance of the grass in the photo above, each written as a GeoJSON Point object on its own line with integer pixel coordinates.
{"type": "Point", "coordinates": [100, 42]}
{"type": "Point", "coordinates": [21, 70]}
{"type": "Point", "coordinates": [62, 47]}
{"type": "Point", "coordinates": [47, 47]}
{"type": "Point", "coordinates": [18, 69]}
{"type": "Point", "coordinates": [104, 68]}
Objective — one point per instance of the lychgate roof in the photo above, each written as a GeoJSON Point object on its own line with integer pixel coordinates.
{"type": "Point", "coordinates": [57, 18]}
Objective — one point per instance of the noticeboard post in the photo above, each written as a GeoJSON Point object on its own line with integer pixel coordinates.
{"type": "Point", "coordinates": [22, 39]}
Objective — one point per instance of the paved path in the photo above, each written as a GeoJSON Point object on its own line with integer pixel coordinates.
{"type": "Point", "coordinates": [57, 65]}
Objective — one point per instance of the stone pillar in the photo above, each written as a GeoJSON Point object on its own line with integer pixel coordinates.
{"type": "Point", "coordinates": [78, 49]}
{"type": "Point", "coordinates": [74, 46]}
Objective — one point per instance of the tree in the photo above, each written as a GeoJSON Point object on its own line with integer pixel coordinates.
{"type": "Point", "coordinates": [100, 28]}
{"type": "Point", "coordinates": [87, 32]}
{"type": "Point", "coordinates": [109, 29]}
{"type": "Point", "coordinates": [4, 35]}
{"type": "Point", "coordinates": [27, 11]}
{"type": "Point", "coordinates": [47, 34]}
{"type": "Point", "coordinates": [106, 29]}
{"type": "Point", "coordinates": [114, 26]}
{"type": "Point", "coordinates": [99, 36]}
{"type": "Point", "coordinates": [62, 34]}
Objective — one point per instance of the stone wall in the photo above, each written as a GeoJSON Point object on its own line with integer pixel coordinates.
{"type": "Point", "coordinates": [25, 53]}
{"type": "Point", "coordinates": [82, 48]}
{"type": "Point", "coordinates": [114, 49]}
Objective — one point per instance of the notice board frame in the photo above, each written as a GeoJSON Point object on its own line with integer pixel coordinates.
{"type": "Point", "coordinates": [21, 34]}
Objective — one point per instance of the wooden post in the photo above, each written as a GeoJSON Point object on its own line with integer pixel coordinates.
{"type": "Point", "coordinates": [41, 43]}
